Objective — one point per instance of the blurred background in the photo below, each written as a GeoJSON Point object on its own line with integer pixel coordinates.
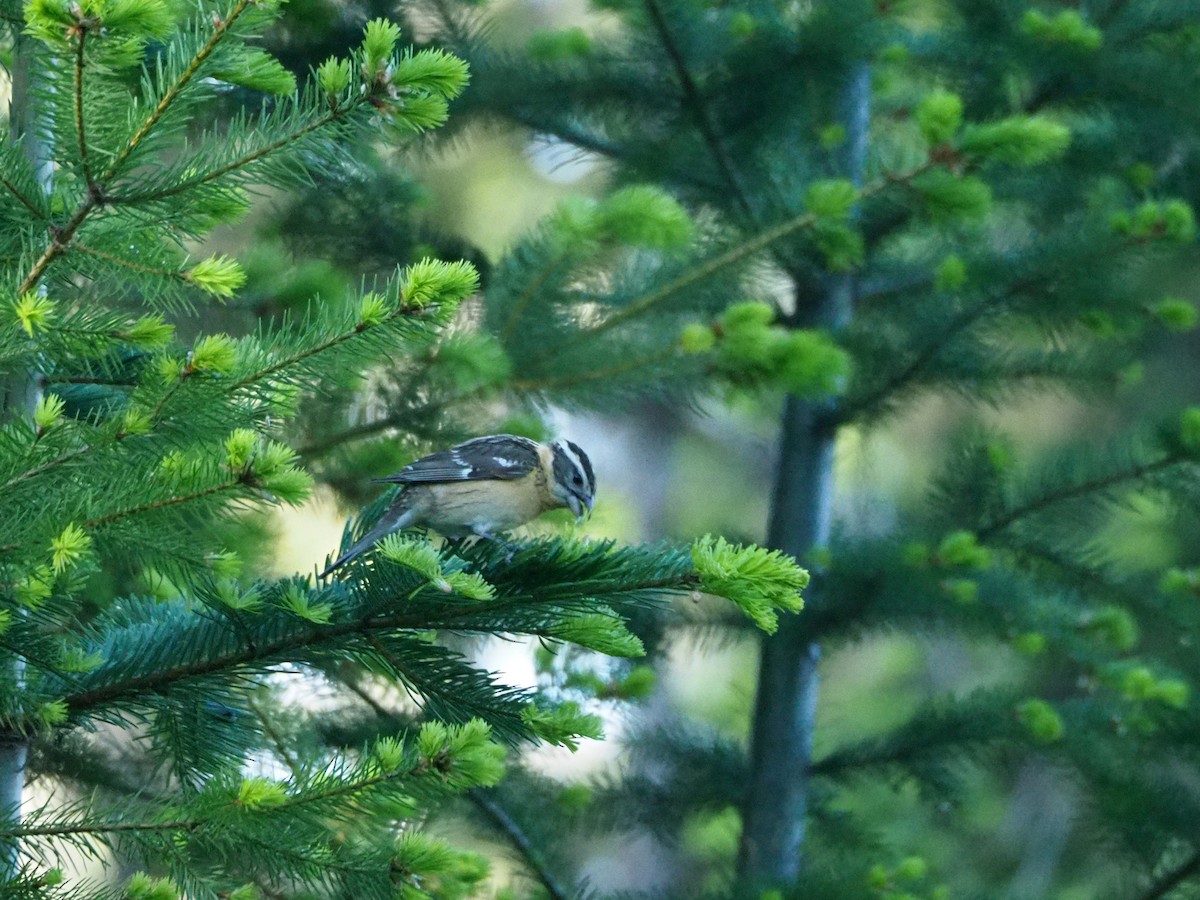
{"type": "Point", "coordinates": [655, 807]}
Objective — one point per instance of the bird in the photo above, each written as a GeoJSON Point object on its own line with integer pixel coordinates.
{"type": "Point", "coordinates": [483, 486]}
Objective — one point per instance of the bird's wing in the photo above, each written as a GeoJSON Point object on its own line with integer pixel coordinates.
{"type": "Point", "coordinates": [503, 456]}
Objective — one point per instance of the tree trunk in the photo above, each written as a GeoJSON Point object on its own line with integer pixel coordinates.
{"type": "Point", "coordinates": [775, 804]}
{"type": "Point", "coordinates": [18, 396]}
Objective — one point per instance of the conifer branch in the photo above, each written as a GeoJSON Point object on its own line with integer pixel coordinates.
{"type": "Point", "coordinates": [756, 243]}
{"type": "Point", "coordinates": [128, 264]}
{"type": "Point", "coordinates": [62, 237]}
{"type": "Point", "coordinates": [46, 466]}
{"type": "Point", "coordinates": [526, 297]}
{"type": "Point", "coordinates": [80, 130]}
{"type": "Point", "coordinates": [59, 239]}
{"type": "Point", "coordinates": [334, 115]}
{"type": "Point", "coordinates": [482, 799]}
{"type": "Point", "coordinates": [164, 503]}
{"type": "Point", "coordinates": [1163, 886]}
{"type": "Point", "coordinates": [520, 840]}
{"type": "Point", "coordinates": [277, 739]}
{"type": "Point", "coordinates": [301, 635]}
{"type": "Point", "coordinates": [97, 828]}
{"type": "Point", "coordinates": [533, 385]}
{"type": "Point", "coordinates": [22, 199]}
{"type": "Point", "coordinates": [695, 103]}
{"type": "Point", "coordinates": [223, 24]}
{"type": "Point", "coordinates": [1074, 492]}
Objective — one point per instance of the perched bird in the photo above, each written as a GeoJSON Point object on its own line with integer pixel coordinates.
{"type": "Point", "coordinates": [483, 486]}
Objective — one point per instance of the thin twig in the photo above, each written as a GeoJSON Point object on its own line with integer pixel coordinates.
{"type": "Point", "coordinates": [1173, 879]}
{"type": "Point", "coordinates": [694, 101]}
{"type": "Point", "coordinates": [80, 131]}
{"type": "Point", "coordinates": [168, 99]}
{"type": "Point", "coordinates": [497, 813]}
{"type": "Point", "coordinates": [281, 747]}
{"type": "Point", "coordinates": [163, 503]}
{"type": "Point", "coordinates": [519, 839]}
{"type": "Point", "coordinates": [1074, 492]}
{"type": "Point", "coordinates": [25, 201]}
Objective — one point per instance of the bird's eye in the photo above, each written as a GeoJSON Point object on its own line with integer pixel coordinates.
{"type": "Point", "coordinates": [577, 479]}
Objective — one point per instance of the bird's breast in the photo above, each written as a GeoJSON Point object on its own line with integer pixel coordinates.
{"type": "Point", "coordinates": [485, 505]}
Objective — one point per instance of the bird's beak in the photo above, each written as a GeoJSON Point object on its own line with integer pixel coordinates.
{"type": "Point", "coordinates": [577, 506]}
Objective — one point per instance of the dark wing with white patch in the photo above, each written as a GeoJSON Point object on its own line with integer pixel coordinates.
{"type": "Point", "coordinates": [502, 456]}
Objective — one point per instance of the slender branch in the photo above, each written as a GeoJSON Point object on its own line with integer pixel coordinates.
{"type": "Point", "coordinates": [542, 384]}
{"type": "Point", "coordinates": [290, 361]}
{"type": "Point", "coordinates": [455, 619]}
{"type": "Point", "coordinates": [530, 385]}
{"type": "Point", "coordinates": [25, 201]}
{"type": "Point", "coordinates": [699, 109]}
{"type": "Point", "coordinates": [127, 264]}
{"type": "Point", "coordinates": [281, 746]}
{"type": "Point", "coordinates": [1163, 886]}
{"type": "Point", "coordinates": [168, 99]}
{"type": "Point", "coordinates": [80, 131]}
{"type": "Point", "coordinates": [60, 238]}
{"type": "Point", "coordinates": [927, 354]}
{"type": "Point", "coordinates": [496, 812]}
{"type": "Point", "coordinates": [46, 466]}
{"type": "Point", "coordinates": [241, 162]}
{"type": "Point", "coordinates": [163, 503]}
{"type": "Point", "coordinates": [707, 268]}
{"type": "Point", "coordinates": [520, 840]}
{"type": "Point", "coordinates": [35, 831]}
{"type": "Point", "coordinates": [1073, 492]}
{"type": "Point", "coordinates": [526, 297]}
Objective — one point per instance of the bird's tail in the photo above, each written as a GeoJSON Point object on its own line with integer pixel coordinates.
{"type": "Point", "coordinates": [393, 519]}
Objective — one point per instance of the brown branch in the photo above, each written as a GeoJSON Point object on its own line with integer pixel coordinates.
{"type": "Point", "coordinates": [80, 131]}
{"type": "Point", "coordinates": [695, 103]}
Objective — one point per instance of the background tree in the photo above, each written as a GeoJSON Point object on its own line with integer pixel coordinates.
{"type": "Point", "coordinates": [889, 203]}
{"type": "Point", "coordinates": [145, 672]}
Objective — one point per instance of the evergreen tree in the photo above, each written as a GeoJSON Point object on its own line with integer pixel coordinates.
{"type": "Point", "coordinates": [987, 199]}
{"type": "Point", "coordinates": [144, 670]}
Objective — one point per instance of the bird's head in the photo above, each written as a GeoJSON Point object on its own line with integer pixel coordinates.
{"type": "Point", "coordinates": [574, 484]}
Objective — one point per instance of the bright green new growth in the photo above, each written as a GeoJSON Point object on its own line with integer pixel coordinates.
{"type": "Point", "coordinates": [219, 276]}
{"type": "Point", "coordinates": [1020, 140]}
{"type": "Point", "coordinates": [939, 115]}
{"type": "Point", "coordinates": [563, 724]}
{"type": "Point", "coordinates": [1066, 27]}
{"type": "Point", "coordinates": [601, 630]}
{"type": "Point", "coordinates": [761, 582]}
{"type": "Point", "coordinates": [1042, 720]}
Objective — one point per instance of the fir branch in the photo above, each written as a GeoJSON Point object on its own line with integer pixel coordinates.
{"type": "Point", "coordinates": [180, 187]}
{"type": "Point", "coordinates": [47, 466]}
{"type": "Point", "coordinates": [520, 840]}
{"type": "Point", "coordinates": [223, 24]}
{"type": "Point", "coordinates": [284, 643]}
{"type": "Point", "coordinates": [60, 238]}
{"type": "Point", "coordinates": [96, 828]}
{"type": "Point", "coordinates": [695, 103]}
{"type": "Point", "coordinates": [21, 198]}
{"type": "Point", "coordinates": [80, 129]}
{"type": "Point", "coordinates": [1167, 883]}
{"type": "Point", "coordinates": [1074, 492]}
{"type": "Point", "coordinates": [522, 302]}
{"type": "Point", "coordinates": [128, 264]}
{"type": "Point", "coordinates": [488, 804]}
{"type": "Point", "coordinates": [533, 385]}
{"type": "Point", "coordinates": [736, 254]}
{"type": "Point", "coordinates": [288, 362]}
{"type": "Point", "coordinates": [277, 739]}
{"type": "Point", "coordinates": [165, 502]}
